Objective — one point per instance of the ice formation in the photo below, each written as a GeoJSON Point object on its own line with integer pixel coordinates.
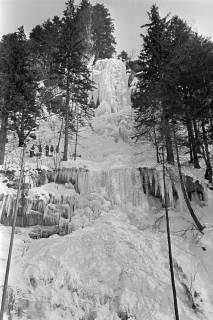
{"type": "Point", "coordinates": [69, 187]}
{"type": "Point", "coordinates": [111, 81]}
{"type": "Point", "coordinates": [113, 265]}
{"type": "Point", "coordinates": [120, 182]}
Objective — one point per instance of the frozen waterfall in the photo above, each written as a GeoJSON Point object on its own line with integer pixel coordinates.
{"type": "Point", "coordinates": [111, 93]}
{"type": "Point", "coordinates": [86, 190]}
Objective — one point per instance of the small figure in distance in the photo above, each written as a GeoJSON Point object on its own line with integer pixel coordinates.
{"type": "Point", "coordinates": [47, 149]}
{"type": "Point", "coordinates": [51, 150]}
{"type": "Point", "coordinates": [39, 150]}
{"type": "Point", "coordinates": [32, 151]}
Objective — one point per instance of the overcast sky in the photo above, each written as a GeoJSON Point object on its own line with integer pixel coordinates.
{"type": "Point", "coordinates": [128, 16]}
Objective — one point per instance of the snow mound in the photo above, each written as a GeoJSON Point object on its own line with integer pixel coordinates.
{"type": "Point", "coordinates": [109, 270]}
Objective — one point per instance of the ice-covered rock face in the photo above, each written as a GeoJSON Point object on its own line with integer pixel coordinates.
{"type": "Point", "coordinates": [111, 81]}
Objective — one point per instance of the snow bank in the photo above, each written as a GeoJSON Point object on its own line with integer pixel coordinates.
{"type": "Point", "coordinates": [109, 270]}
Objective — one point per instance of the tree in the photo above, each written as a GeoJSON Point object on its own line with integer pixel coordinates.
{"type": "Point", "coordinates": [160, 99]}
{"type": "Point", "coordinates": [102, 33]}
{"type": "Point", "coordinates": [84, 18]}
{"type": "Point", "coordinates": [73, 71]}
{"type": "Point", "coordinates": [19, 108]}
{"type": "Point", "coordinates": [153, 59]}
{"type": "Point", "coordinates": [3, 109]}
{"type": "Point", "coordinates": [123, 56]}
{"type": "Point", "coordinates": [44, 41]}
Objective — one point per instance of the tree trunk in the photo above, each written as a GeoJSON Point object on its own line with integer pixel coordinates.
{"type": "Point", "coordinates": [169, 147]}
{"type": "Point", "coordinates": [211, 124]}
{"type": "Point", "coordinates": [156, 146]}
{"type": "Point", "coordinates": [193, 144]}
{"type": "Point", "coordinates": [185, 195]}
{"type": "Point", "coordinates": [190, 143]}
{"type": "Point", "coordinates": [3, 137]}
{"type": "Point", "coordinates": [76, 138]}
{"type": "Point", "coordinates": [15, 211]}
{"type": "Point", "coordinates": [66, 133]}
{"type": "Point", "coordinates": [169, 243]}
{"type": "Point", "coordinates": [208, 160]}
{"type": "Point", "coordinates": [59, 138]}
{"type": "Point", "coordinates": [197, 136]}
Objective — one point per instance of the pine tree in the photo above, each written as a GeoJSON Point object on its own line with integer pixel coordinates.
{"type": "Point", "coordinates": [102, 33]}
{"type": "Point", "coordinates": [159, 88]}
{"type": "Point", "coordinates": [44, 41]}
{"type": "Point", "coordinates": [153, 58]}
{"type": "Point", "coordinates": [19, 108]}
{"type": "Point", "coordinates": [123, 56]}
{"type": "Point", "coordinates": [192, 65]}
{"type": "Point", "coordinates": [84, 18]}
{"type": "Point", "coordinates": [73, 71]}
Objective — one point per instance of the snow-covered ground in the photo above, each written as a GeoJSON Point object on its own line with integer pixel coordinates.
{"type": "Point", "coordinates": [114, 265]}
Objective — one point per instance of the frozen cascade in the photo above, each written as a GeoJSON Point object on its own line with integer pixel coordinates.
{"type": "Point", "coordinates": [115, 186]}
{"type": "Point", "coordinates": [71, 187]}
{"type": "Point", "coordinates": [123, 185]}
{"type": "Point", "coordinates": [111, 93]}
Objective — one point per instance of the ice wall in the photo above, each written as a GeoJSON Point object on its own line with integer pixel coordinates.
{"type": "Point", "coordinates": [111, 81]}
{"type": "Point", "coordinates": [132, 185]}
{"type": "Point", "coordinates": [86, 193]}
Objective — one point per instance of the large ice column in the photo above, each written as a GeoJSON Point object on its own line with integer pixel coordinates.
{"type": "Point", "coordinates": [111, 81]}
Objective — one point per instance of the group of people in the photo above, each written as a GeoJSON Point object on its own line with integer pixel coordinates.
{"type": "Point", "coordinates": [49, 150]}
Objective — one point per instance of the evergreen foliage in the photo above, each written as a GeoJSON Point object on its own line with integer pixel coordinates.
{"type": "Point", "coordinates": [20, 86]}
{"type": "Point", "coordinates": [175, 87]}
{"type": "Point", "coordinates": [73, 72]}
{"type": "Point", "coordinates": [102, 33]}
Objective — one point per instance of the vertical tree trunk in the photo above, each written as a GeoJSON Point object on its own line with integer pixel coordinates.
{"type": "Point", "coordinates": [197, 136]}
{"type": "Point", "coordinates": [156, 146]}
{"type": "Point", "coordinates": [194, 147]}
{"type": "Point", "coordinates": [59, 138]}
{"type": "Point", "coordinates": [3, 137]}
{"type": "Point", "coordinates": [4, 293]}
{"type": "Point", "coordinates": [190, 143]}
{"type": "Point", "coordinates": [185, 195]}
{"type": "Point", "coordinates": [208, 160]}
{"type": "Point", "coordinates": [168, 138]}
{"type": "Point", "coordinates": [76, 137]}
{"type": "Point", "coordinates": [169, 242]}
{"type": "Point", "coordinates": [211, 128]}
{"type": "Point", "coordinates": [66, 131]}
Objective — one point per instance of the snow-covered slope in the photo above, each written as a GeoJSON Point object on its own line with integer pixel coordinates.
{"type": "Point", "coordinates": [114, 264]}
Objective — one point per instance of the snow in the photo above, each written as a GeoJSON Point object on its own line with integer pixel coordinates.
{"type": "Point", "coordinates": [108, 268]}
{"type": "Point", "coordinates": [113, 264]}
